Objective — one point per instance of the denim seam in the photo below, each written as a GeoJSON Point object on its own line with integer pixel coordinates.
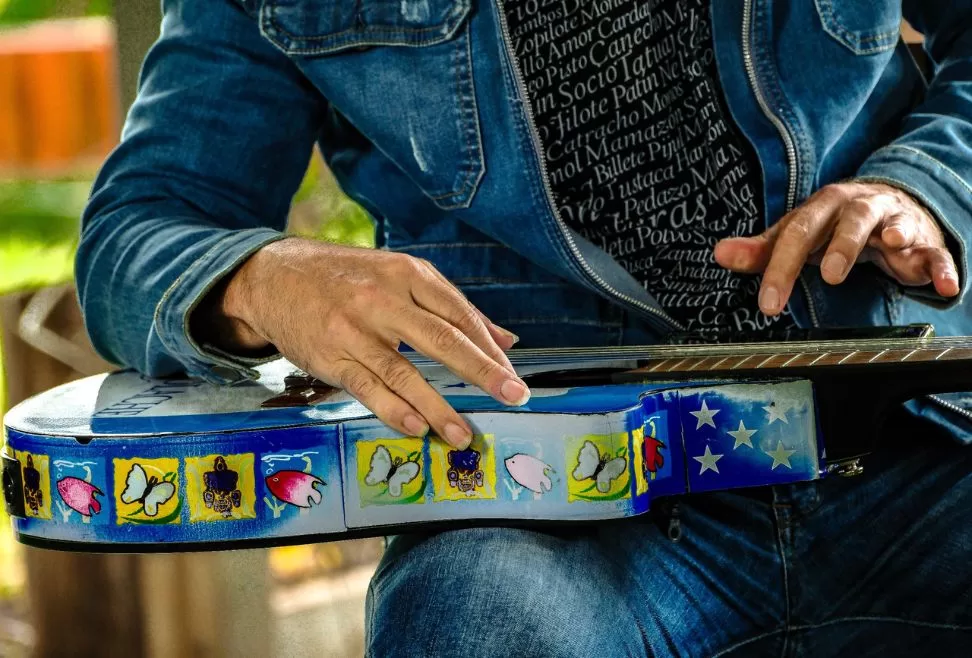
{"type": "Point", "coordinates": [883, 620]}
{"type": "Point", "coordinates": [473, 170]}
{"type": "Point", "coordinates": [786, 573]}
{"type": "Point", "coordinates": [448, 245]}
{"type": "Point", "coordinates": [346, 38]}
{"type": "Point", "coordinates": [851, 39]}
{"type": "Point", "coordinates": [842, 620]}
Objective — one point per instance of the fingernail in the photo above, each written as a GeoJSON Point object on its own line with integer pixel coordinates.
{"type": "Point", "coordinates": [834, 265]}
{"type": "Point", "coordinates": [415, 425]}
{"type": "Point", "coordinates": [514, 392]}
{"type": "Point", "coordinates": [458, 436]}
{"type": "Point", "coordinates": [509, 334]}
{"type": "Point", "coordinates": [769, 300]}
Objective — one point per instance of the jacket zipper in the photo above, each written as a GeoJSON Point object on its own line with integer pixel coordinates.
{"type": "Point", "coordinates": [548, 190]}
{"type": "Point", "coordinates": [791, 152]}
{"type": "Point", "coordinates": [954, 408]}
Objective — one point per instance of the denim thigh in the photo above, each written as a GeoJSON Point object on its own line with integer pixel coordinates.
{"type": "Point", "coordinates": [877, 564]}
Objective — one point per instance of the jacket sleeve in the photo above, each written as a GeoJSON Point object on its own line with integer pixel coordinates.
{"type": "Point", "coordinates": [932, 157]}
{"type": "Point", "coordinates": [211, 154]}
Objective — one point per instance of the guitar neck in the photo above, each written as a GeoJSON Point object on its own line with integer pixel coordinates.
{"type": "Point", "coordinates": [803, 358]}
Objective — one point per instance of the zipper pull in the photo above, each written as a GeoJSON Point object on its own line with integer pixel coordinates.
{"type": "Point", "coordinates": [674, 524]}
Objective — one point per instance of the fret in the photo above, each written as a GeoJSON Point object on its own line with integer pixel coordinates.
{"type": "Point", "coordinates": [814, 362]}
{"type": "Point", "coordinates": [697, 363]}
{"type": "Point", "coordinates": [848, 356]}
{"type": "Point", "coordinates": [909, 355]}
{"type": "Point", "coordinates": [792, 359]}
{"type": "Point", "coordinates": [739, 363]}
{"type": "Point", "coordinates": [675, 367]}
{"type": "Point", "coordinates": [944, 352]}
{"type": "Point", "coordinates": [878, 356]}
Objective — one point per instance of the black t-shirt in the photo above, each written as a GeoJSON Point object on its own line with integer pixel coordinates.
{"type": "Point", "coordinates": [643, 157]}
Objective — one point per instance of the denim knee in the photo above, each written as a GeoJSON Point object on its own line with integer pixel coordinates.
{"type": "Point", "coordinates": [495, 590]}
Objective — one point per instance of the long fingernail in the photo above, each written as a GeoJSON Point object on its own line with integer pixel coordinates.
{"type": "Point", "coordinates": [458, 436]}
{"type": "Point", "coordinates": [769, 300]}
{"type": "Point", "coordinates": [834, 265]}
{"type": "Point", "coordinates": [514, 392]}
{"type": "Point", "coordinates": [415, 425]}
{"type": "Point", "coordinates": [509, 334]}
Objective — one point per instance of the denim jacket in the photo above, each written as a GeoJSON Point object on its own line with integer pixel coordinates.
{"type": "Point", "coordinates": [422, 114]}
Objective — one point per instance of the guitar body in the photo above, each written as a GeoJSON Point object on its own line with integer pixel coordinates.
{"type": "Point", "coordinates": [121, 462]}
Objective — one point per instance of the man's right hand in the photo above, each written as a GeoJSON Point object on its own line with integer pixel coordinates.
{"type": "Point", "coordinates": [340, 313]}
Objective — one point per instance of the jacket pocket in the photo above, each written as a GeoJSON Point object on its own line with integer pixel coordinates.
{"type": "Point", "coordinates": [319, 27]}
{"type": "Point", "coordinates": [865, 27]}
{"type": "Point", "coordinates": [400, 71]}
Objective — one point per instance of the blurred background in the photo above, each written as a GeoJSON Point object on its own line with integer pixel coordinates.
{"type": "Point", "coordinates": [68, 71]}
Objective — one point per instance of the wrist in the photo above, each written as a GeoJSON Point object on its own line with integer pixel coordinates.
{"type": "Point", "coordinates": [228, 317]}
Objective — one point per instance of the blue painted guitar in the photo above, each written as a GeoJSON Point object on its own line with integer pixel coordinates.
{"type": "Point", "coordinates": [123, 462]}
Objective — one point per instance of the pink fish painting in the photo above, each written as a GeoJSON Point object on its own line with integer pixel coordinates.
{"type": "Point", "coordinates": [296, 487]}
{"type": "Point", "coordinates": [529, 472]}
{"type": "Point", "coordinates": [80, 495]}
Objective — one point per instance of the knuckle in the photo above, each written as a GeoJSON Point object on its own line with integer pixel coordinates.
{"type": "Point", "coordinates": [485, 371]}
{"type": "Point", "coordinates": [358, 383]}
{"type": "Point", "coordinates": [798, 230]}
{"type": "Point", "coordinates": [467, 319]}
{"type": "Point", "coordinates": [832, 191]}
{"type": "Point", "coordinates": [445, 337]}
{"type": "Point", "coordinates": [862, 206]}
{"type": "Point", "coordinates": [399, 376]}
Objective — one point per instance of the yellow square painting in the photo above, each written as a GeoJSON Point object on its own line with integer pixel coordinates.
{"type": "Point", "coordinates": [638, 445]}
{"type": "Point", "coordinates": [36, 473]}
{"type": "Point", "coordinates": [147, 491]}
{"type": "Point", "coordinates": [391, 471]}
{"type": "Point", "coordinates": [597, 467]}
{"type": "Point", "coordinates": [468, 474]}
{"type": "Point", "coordinates": [221, 487]}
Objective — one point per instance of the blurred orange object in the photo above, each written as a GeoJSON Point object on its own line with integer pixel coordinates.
{"type": "Point", "coordinates": [59, 98]}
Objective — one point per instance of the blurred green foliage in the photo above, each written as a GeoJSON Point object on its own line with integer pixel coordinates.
{"type": "Point", "coordinates": [13, 12]}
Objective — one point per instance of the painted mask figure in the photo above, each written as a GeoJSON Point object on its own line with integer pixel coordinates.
{"type": "Point", "coordinates": [652, 457]}
{"type": "Point", "coordinates": [464, 472]}
{"type": "Point", "coordinates": [33, 495]}
{"type": "Point", "coordinates": [221, 494]}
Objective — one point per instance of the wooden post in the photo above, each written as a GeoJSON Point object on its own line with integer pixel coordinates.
{"type": "Point", "coordinates": [81, 604]}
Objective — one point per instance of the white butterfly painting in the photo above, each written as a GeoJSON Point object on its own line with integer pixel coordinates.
{"type": "Point", "coordinates": [148, 491]}
{"type": "Point", "coordinates": [602, 469]}
{"type": "Point", "coordinates": [395, 472]}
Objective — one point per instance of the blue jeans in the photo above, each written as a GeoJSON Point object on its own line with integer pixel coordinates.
{"type": "Point", "coordinates": [880, 564]}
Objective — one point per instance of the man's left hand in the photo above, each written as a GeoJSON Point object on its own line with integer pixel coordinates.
{"type": "Point", "coordinates": [857, 223]}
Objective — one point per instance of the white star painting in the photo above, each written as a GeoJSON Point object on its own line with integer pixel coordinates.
{"type": "Point", "coordinates": [742, 436]}
{"type": "Point", "coordinates": [704, 416]}
{"type": "Point", "coordinates": [708, 461]}
{"type": "Point", "coordinates": [781, 456]}
{"type": "Point", "coordinates": [775, 412]}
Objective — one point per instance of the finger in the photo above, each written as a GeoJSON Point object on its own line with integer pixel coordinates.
{"type": "Point", "coordinates": [899, 232]}
{"type": "Point", "coordinates": [404, 380]}
{"type": "Point", "coordinates": [801, 233]}
{"type": "Point", "coordinates": [856, 222]}
{"type": "Point", "coordinates": [505, 338]}
{"type": "Point", "coordinates": [445, 343]}
{"type": "Point", "coordinates": [746, 255]}
{"type": "Point", "coordinates": [390, 408]}
{"type": "Point", "coordinates": [436, 294]}
{"type": "Point", "coordinates": [943, 273]}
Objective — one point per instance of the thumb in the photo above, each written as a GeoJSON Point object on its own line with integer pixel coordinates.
{"type": "Point", "coordinates": [747, 255]}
